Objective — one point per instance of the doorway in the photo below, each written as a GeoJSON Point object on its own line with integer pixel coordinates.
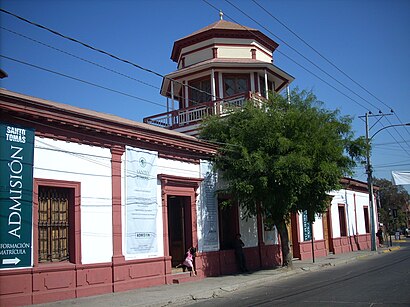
{"type": "Point", "coordinates": [179, 227]}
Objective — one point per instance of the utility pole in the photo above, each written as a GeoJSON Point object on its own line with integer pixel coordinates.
{"type": "Point", "coordinates": [369, 173]}
{"type": "Point", "coordinates": [369, 169]}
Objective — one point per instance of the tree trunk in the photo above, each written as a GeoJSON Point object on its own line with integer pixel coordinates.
{"type": "Point", "coordinates": [285, 244]}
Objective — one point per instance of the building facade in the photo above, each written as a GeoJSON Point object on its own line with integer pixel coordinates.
{"type": "Point", "coordinates": [107, 204]}
{"type": "Point", "coordinates": [343, 228]}
{"type": "Point", "coordinates": [92, 203]}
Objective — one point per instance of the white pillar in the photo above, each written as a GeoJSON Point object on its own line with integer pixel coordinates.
{"type": "Point", "coordinates": [221, 88]}
{"type": "Point", "coordinates": [186, 89]}
{"type": "Point", "coordinates": [172, 102]}
{"type": "Point", "coordinates": [213, 88]}
{"type": "Point", "coordinates": [266, 84]}
{"type": "Point", "coordinates": [252, 78]}
{"type": "Point", "coordinates": [172, 96]}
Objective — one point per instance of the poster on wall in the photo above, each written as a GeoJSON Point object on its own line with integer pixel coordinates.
{"type": "Point", "coordinates": [141, 201]}
{"type": "Point", "coordinates": [16, 196]}
{"type": "Point", "coordinates": [208, 209]}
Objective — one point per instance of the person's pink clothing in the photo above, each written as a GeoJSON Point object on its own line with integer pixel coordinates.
{"type": "Point", "coordinates": [188, 260]}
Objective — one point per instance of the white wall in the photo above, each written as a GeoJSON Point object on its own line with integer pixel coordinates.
{"type": "Point", "coordinates": [91, 166]}
{"type": "Point", "coordinates": [354, 208]}
{"type": "Point", "coordinates": [248, 228]}
{"type": "Point", "coordinates": [233, 52]}
{"type": "Point", "coordinates": [226, 49]}
{"type": "Point", "coordinates": [317, 226]}
{"type": "Point", "coordinates": [199, 56]}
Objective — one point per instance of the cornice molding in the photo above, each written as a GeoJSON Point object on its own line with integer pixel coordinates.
{"type": "Point", "coordinates": [68, 123]}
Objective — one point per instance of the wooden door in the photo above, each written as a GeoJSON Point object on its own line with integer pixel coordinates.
{"type": "Point", "coordinates": [176, 229]}
{"type": "Point", "coordinates": [325, 231]}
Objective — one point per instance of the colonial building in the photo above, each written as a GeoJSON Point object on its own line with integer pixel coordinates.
{"type": "Point", "coordinates": [93, 203]}
{"type": "Point", "coordinates": [345, 227]}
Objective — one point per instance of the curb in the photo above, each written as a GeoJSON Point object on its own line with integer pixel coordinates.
{"type": "Point", "coordinates": [395, 248]}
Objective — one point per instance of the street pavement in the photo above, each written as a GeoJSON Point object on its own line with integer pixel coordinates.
{"type": "Point", "coordinates": [179, 294]}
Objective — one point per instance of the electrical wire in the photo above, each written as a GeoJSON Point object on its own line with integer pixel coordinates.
{"type": "Point", "coordinates": [294, 61]}
{"type": "Point", "coordinates": [396, 129]}
{"type": "Point", "coordinates": [250, 17]}
{"type": "Point", "coordinates": [300, 54]}
{"type": "Point", "coordinates": [103, 52]}
{"type": "Point", "coordinates": [328, 61]}
{"type": "Point", "coordinates": [77, 57]}
{"type": "Point", "coordinates": [82, 81]}
{"type": "Point", "coordinates": [320, 54]}
{"type": "Point", "coordinates": [87, 61]}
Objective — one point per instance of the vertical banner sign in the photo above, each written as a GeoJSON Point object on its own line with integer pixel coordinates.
{"type": "Point", "coordinates": [307, 230]}
{"type": "Point", "coordinates": [209, 208]}
{"type": "Point", "coordinates": [16, 196]}
{"type": "Point", "coordinates": [141, 201]}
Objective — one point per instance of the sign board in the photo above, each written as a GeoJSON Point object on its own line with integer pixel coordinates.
{"type": "Point", "coordinates": [307, 229]}
{"type": "Point", "coordinates": [16, 196]}
{"type": "Point", "coordinates": [141, 202]}
{"type": "Point", "coordinates": [400, 178]}
{"type": "Point", "coordinates": [208, 209]}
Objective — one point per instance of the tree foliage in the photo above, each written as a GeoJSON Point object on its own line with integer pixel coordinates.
{"type": "Point", "coordinates": [283, 157]}
{"type": "Point", "coordinates": [393, 200]}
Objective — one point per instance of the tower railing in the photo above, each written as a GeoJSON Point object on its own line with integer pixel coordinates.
{"type": "Point", "coordinates": [195, 114]}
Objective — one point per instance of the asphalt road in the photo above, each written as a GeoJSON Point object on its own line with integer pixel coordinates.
{"type": "Point", "coordinates": [382, 280]}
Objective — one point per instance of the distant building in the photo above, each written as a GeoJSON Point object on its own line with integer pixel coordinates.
{"type": "Point", "coordinates": [343, 228]}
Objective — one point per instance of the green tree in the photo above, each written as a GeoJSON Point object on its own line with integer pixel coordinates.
{"type": "Point", "coordinates": [283, 157]}
{"type": "Point", "coordinates": [393, 199]}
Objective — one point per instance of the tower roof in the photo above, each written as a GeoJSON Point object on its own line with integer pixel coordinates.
{"type": "Point", "coordinates": [225, 29]}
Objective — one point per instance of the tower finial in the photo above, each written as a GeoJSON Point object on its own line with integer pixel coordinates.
{"type": "Point", "coordinates": [221, 14]}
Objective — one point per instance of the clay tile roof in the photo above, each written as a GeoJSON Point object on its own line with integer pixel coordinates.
{"type": "Point", "coordinates": [221, 24]}
{"type": "Point", "coordinates": [221, 28]}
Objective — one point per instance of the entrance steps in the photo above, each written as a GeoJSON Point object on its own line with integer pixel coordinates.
{"type": "Point", "coordinates": [179, 276]}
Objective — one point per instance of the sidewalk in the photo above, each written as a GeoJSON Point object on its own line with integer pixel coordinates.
{"type": "Point", "coordinates": [174, 295]}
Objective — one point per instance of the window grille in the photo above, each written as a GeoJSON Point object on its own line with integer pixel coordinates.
{"type": "Point", "coordinates": [53, 224]}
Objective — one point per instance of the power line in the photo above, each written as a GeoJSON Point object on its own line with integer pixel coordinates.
{"type": "Point", "coordinates": [299, 53]}
{"type": "Point", "coordinates": [327, 60]}
{"type": "Point", "coordinates": [250, 17]}
{"type": "Point", "coordinates": [77, 57]}
{"type": "Point", "coordinates": [85, 60]}
{"type": "Point", "coordinates": [388, 143]}
{"type": "Point", "coordinates": [80, 80]}
{"type": "Point", "coordinates": [395, 128]}
{"type": "Point", "coordinates": [294, 61]}
{"type": "Point", "coordinates": [321, 55]}
{"type": "Point", "coordinates": [103, 52]}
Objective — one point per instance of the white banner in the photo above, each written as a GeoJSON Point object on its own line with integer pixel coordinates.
{"type": "Point", "coordinates": [208, 209]}
{"type": "Point", "coordinates": [400, 178]}
{"type": "Point", "coordinates": [141, 201]}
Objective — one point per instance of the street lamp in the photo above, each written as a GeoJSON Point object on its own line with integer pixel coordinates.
{"type": "Point", "coordinates": [369, 172]}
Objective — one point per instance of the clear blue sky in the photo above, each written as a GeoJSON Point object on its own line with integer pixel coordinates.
{"type": "Point", "coordinates": [368, 40]}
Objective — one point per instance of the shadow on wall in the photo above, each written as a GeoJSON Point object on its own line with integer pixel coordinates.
{"type": "Point", "coordinates": [224, 262]}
